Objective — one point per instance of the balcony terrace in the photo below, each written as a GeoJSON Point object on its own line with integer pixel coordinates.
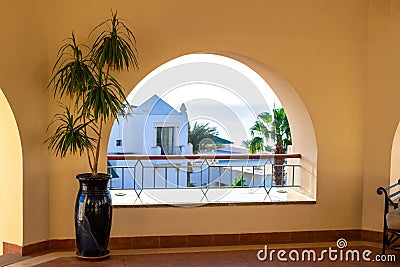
{"type": "Point", "coordinates": [205, 179]}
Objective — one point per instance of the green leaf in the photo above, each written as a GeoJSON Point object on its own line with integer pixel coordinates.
{"type": "Point", "coordinates": [274, 127]}
{"type": "Point", "coordinates": [72, 73]}
{"type": "Point", "coordinates": [70, 135]}
{"type": "Point", "coordinates": [200, 132]}
{"type": "Point", "coordinates": [104, 101]}
{"type": "Point", "coordinates": [256, 144]}
{"type": "Point", "coordinates": [114, 47]}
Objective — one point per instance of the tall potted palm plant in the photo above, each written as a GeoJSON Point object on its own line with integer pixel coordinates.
{"type": "Point", "coordinates": [83, 75]}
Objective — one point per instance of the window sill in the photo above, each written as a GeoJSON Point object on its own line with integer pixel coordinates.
{"type": "Point", "coordinates": [155, 198]}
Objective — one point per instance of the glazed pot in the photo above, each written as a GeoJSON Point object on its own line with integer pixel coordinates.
{"type": "Point", "coordinates": [93, 215]}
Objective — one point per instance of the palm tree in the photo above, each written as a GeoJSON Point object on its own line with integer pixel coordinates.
{"type": "Point", "coordinates": [268, 127]}
{"type": "Point", "coordinates": [281, 129]}
{"type": "Point", "coordinates": [274, 127]}
{"type": "Point", "coordinates": [283, 138]}
{"type": "Point", "coordinates": [200, 132]}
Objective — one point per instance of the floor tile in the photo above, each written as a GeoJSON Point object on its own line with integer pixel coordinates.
{"type": "Point", "coordinates": [240, 257]}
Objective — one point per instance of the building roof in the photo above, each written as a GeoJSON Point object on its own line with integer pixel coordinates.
{"type": "Point", "coordinates": [223, 141]}
{"type": "Point", "coordinates": [155, 105]}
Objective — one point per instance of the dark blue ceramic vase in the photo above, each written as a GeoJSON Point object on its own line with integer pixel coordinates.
{"type": "Point", "coordinates": [93, 215]}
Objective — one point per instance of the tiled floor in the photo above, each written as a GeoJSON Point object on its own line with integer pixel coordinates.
{"type": "Point", "coordinates": [209, 256]}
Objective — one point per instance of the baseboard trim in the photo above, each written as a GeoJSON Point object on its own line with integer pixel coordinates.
{"type": "Point", "coordinates": [142, 242]}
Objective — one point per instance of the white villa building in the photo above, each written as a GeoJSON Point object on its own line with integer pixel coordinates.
{"type": "Point", "coordinates": [153, 128]}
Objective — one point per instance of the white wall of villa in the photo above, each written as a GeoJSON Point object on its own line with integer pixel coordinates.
{"type": "Point", "coordinates": [137, 133]}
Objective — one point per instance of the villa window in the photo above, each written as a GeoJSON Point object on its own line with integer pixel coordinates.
{"type": "Point", "coordinates": [165, 140]}
{"type": "Point", "coordinates": [118, 142]}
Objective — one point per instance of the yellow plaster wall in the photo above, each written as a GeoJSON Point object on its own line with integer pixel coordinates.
{"type": "Point", "coordinates": [340, 56]}
{"type": "Point", "coordinates": [382, 110]}
{"type": "Point", "coordinates": [319, 47]}
{"type": "Point", "coordinates": [23, 75]}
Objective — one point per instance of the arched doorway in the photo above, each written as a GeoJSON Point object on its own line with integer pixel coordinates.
{"type": "Point", "coordinates": [11, 182]}
{"type": "Point", "coordinates": [395, 157]}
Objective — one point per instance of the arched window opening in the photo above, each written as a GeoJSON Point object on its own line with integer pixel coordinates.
{"type": "Point", "coordinates": [206, 113]}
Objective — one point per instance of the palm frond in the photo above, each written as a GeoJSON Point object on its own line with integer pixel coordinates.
{"type": "Point", "coordinates": [72, 73]}
{"type": "Point", "coordinates": [104, 100]}
{"type": "Point", "coordinates": [199, 132]}
{"type": "Point", "coordinates": [256, 144]}
{"type": "Point", "coordinates": [115, 47]}
{"type": "Point", "coordinates": [266, 117]}
{"type": "Point", "coordinates": [70, 136]}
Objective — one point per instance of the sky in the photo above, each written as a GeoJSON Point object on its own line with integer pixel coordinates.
{"type": "Point", "coordinates": [215, 89]}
